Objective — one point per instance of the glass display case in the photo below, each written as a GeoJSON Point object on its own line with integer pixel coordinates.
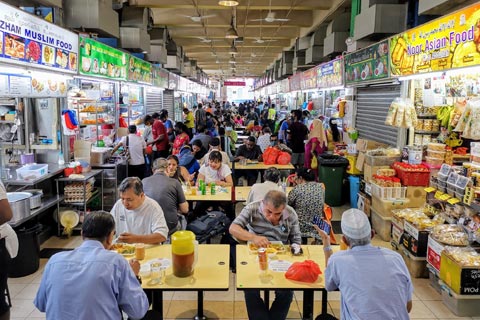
{"type": "Point", "coordinates": [132, 104]}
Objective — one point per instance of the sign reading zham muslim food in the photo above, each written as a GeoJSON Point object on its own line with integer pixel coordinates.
{"type": "Point", "coordinates": [452, 41]}
{"type": "Point", "coordinates": [28, 40]}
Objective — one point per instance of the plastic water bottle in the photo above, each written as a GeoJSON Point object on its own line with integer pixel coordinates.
{"type": "Point", "coordinates": [61, 160]}
{"type": "Point", "coordinates": [284, 186]}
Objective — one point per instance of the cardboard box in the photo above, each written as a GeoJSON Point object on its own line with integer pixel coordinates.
{"type": "Point", "coordinates": [397, 231]}
{"type": "Point", "coordinates": [360, 161]}
{"type": "Point", "coordinates": [364, 203]}
{"type": "Point", "coordinates": [434, 253]}
{"type": "Point", "coordinates": [414, 240]}
{"type": "Point", "coordinates": [384, 207]}
{"type": "Point", "coordinates": [462, 280]}
{"type": "Point", "coordinates": [417, 196]}
{"type": "Point", "coordinates": [364, 145]}
{"type": "Point", "coordinates": [369, 171]}
{"type": "Point", "coordinates": [381, 225]}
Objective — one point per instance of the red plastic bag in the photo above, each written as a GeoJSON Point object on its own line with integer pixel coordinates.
{"type": "Point", "coordinates": [270, 155]}
{"type": "Point", "coordinates": [284, 158]}
{"type": "Point", "coordinates": [306, 271]}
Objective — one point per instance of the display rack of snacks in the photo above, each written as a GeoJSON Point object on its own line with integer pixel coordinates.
{"type": "Point", "coordinates": [80, 191]}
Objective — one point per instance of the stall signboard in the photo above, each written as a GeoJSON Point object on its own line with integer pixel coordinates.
{"type": "Point", "coordinates": [139, 70]}
{"type": "Point", "coordinates": [446, 43]}
{"type": "Point", "coordinates": [28, 40]}
{"type": "Point", "coordinates": [330, 74]}
{"type": "Point", "coordinates": [182, 84]}
{"type": "Point", "coordinates": [23, 83]}
{"type": "Point", "coordinates": [99, 60]}
{"type": "Point", "coordinates": [367, 64]}
{"type": "Point", "coordinates": [309, 78]}
{"type": "Point", "coordinates": [173, 80]}
{"type": "Point", "coordinates": [295, 82]}
{"type": "Point", "coordinates": [234, 83]}
{"type": "Point", "coordinates": [159, 77]}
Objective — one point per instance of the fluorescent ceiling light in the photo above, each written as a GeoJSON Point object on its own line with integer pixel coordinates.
{"type": "Point", "coordinates": [228, 3]}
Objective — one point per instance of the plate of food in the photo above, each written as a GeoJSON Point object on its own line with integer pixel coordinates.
{"type": "Point", "coordinates": [273, 248]}
{"type": "Point", "coordinates": [124, 249]}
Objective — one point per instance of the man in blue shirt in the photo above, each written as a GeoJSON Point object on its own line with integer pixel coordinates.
{"type": "Point", "coordinates": [374, 282]}
{"type": "Point", "coordinates": [92, 282]}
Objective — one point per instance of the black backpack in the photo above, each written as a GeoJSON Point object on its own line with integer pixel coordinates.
{"type": "Point", "coordinates": [211, 224]}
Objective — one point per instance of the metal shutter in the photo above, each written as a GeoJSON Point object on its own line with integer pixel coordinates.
{"type": "Point", "coordinates": [168, 103]}
{"type": "Point", "coordinates": [372, 108]}
{"type": "Point", "coordinates": [153, 99]}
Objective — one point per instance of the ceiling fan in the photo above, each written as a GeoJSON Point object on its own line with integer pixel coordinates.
{"type": "Point", "coordinates": [198, 18]}
{"type": "Point", "coordinates": [207, 40]}
{"type": "Point", "coordinates": [271, 16]}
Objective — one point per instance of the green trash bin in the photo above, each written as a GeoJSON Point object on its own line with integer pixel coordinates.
{"type": "Point", "coordinates": [331, 171]}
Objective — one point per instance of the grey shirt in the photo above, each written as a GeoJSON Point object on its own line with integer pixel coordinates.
{"type": "Point", "coordinates": [168, 193]}
{"type": "Point", "coordinates": [253, 219]}
{"type": "Point", "coordinates": [204, 138]}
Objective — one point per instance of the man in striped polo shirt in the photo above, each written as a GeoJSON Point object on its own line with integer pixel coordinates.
{"type": "Point", "coordinates": [260, 222]}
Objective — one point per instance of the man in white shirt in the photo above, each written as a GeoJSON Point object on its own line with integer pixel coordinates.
{"type": "Point", "coordinates": [264, 140]}
{"type": "Point", "coordinates": [138, 218]}
{"type": "Point", "coordinates": [259, 190]}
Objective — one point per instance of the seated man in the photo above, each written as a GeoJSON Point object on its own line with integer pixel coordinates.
{"type": "Point", "coordinates": [167, 192]}
{"type": "Point", "coordinates": [261, 222]}
{"type": "Point", "coordinates": [250, 151]}
{"type": "Point", "coordinates": [259, 190]}
{"type": "Point", "coordinates": [92, 282]}
{"type": "Point", "coordinates": [138, 218]}
{"type": "Point", "coordinates": [374, 282]}
{"type": "Point", "coordinates": [215, 146]}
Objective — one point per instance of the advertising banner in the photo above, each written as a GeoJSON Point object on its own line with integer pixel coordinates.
{"type": "Point", "coordinates": [28, 40]}
{"type": "Point", "coordinates": [139, 70]}
{"type": "Point", "coordinates": [22, 83]}
{"type": "Point", "coordinates": [234, 83]}
{"type": "Point", "coordinates": [370, 63]}
{"type": "Point", "coordinates": [295, 82]}
{"type": "Point", "coordinates": [99, 60]}
{"type": "Point", "coordinates": [330, 74]}
{"type": "Point", "coordinates": [160, 77]}
{"type": "Point", "coordinates": [449, 42]}
{"type": "Point", "coordinates": [309, 78]}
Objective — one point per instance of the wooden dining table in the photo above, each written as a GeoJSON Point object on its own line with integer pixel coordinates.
{"type": "Point", "coordinates": [241, 193]}
{"type": "Point", "coordinates": [248, 276]}
{"type": "Point", "coordinates": [221, 194]}
{"type": "Point", "coordinates": [211, 273]}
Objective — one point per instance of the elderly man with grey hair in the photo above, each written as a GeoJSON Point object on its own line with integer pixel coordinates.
{"type": "Point", "coordinates": [374, 281]}
{"type": "Point", "coordinates": [138, 218]}
{"type": "Point", "coordinates": [260, 222]}
{"type": "Point", "coordinates": [259, 190]}
{"type": "Point", "coordinates": [168, 193]}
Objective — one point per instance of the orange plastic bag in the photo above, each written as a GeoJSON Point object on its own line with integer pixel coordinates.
{"type": "Point", "coordinates": [306, 271]}
{"type": "Point", "coordinates": [270, 155]}
{"type": "Point", "coordinates": [284, 158]}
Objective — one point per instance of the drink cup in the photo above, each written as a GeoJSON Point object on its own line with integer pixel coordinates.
{"type": "Point", "coordinates": [140, 251]}
{"type": "Point", "coordinates": [157, 274]}
{"type": "Point", "coordinates": [262, 259]}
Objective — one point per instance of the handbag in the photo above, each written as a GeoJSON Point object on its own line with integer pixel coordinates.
{"type": "Point", "coordinates": [314, 163]}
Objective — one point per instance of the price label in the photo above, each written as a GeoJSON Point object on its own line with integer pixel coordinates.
{"type": "Point", "coordinates": [430, 189]}
{"type": "Point", "coordinates": [438, 194]}
{"type": "Point", "coordinates": [453, 201]}
{"type": "Point", "coordinates": [445, 197]}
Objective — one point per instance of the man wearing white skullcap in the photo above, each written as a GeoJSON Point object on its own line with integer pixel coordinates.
{"type": "Point", "coordinates": [374, 282]}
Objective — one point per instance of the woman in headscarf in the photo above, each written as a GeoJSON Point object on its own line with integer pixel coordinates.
{"type": "Point", "coordinates": [317, 143]}
{"type": "Point", "coordinates": [334, 135]}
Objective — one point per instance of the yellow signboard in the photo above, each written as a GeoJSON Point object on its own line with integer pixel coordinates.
{"type": "Point", "coordinates": [449, 42]}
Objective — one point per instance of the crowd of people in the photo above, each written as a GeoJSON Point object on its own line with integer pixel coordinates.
{"type": "Point", "coordinates": [153, 205]}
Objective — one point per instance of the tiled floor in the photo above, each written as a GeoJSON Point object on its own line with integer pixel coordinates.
{"type": "Point", "coordinates": [427, 302]}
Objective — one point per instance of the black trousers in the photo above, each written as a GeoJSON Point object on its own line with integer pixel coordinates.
{"type": "Point", "coordinates": [136, 171]}
{"type": "Point", "coordinates": [4, 268]}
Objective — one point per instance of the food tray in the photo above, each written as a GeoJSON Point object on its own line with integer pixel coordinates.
{"type": "Point", "coordinates": [124, 248]}
{"type": "Point", "coordinates": [273, 247]}
{"type": "Point", "coordinates": [32, 171]}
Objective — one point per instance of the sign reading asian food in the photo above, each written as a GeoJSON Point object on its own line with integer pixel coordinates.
{"type": "Point", "coordinates": [99, 60]}
{"type": "Point", "coordinates": [139, 70]}
{"type": "Point", "coordinates": [452, 41]}
{"type": "Point", "coordinates": [26, 39]}
{"type": "Point", "coordinates": [370, 63]}
{"type": "Point", "coordinates": [330, 74]}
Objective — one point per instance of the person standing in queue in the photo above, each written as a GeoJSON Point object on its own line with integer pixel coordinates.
{"type": "Point", "coordinates": [374, 282]}
{"type": "Point", "coordinates": [92, 282]}
{"type": "Point", "coordinates": [260, 222]}
{"type": "Point", "coordinates": [8, 250]}
{"type": "Point", "coordinates": [160, 138]}
{"type": "Point", "coordinates": [136, 147]}
{"type": "Point", "coordinates": [297, 134]}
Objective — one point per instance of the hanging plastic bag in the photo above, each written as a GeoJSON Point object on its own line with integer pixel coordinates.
{"type": "Point", "coordinates": [306, 271]}
{"type": "Point", "coordinates": [314, 163]}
